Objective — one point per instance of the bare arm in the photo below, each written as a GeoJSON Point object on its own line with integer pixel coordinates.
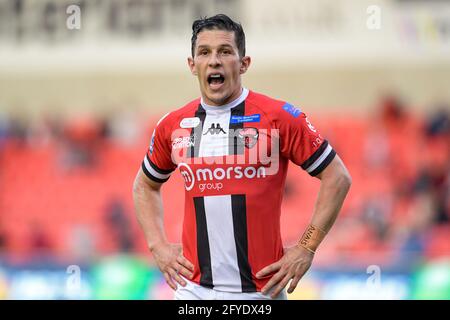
{"type": "Point", "coordinates": [149, 209]}
{"type": "Point", "coordinates": [334, 186]}
{"type": "Point", "coordinates": [149, 212]}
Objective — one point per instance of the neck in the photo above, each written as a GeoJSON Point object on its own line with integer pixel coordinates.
{"type": "Point", "coordinates": [235, 95]}
{"type": "Point", "coordinates": [233, 103]}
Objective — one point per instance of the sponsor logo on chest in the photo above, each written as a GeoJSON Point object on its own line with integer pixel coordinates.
{"type": "Point", "coordinates": [183, 142]}
{"type": "Point", "coordinates": [188, 123]}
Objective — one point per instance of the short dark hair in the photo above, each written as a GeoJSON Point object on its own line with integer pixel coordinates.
{"type": "Point", "coordinates": [219, 22]}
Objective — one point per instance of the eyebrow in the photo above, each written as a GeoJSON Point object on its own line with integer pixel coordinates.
{"type": "Point", "coordinates": [204, 46]}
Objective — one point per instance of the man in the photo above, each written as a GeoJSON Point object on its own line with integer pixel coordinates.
{"type": "Point", "coordinates": [232, 147]}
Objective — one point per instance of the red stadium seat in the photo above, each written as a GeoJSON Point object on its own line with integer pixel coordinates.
{"type": "Point", "coordinates": [36, 188]}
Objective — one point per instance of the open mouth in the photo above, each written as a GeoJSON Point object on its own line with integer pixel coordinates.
{"type": "Point", "coordinates": [215, 80]}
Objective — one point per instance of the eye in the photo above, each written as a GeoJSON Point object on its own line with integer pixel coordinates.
{"type": "Point", "coordinates": [203, 52]}
{"type": "Point", "coordinates": [226, 52]}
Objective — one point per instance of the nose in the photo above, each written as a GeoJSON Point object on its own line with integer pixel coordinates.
{"type": "Point", "coordinates": [214, 60]}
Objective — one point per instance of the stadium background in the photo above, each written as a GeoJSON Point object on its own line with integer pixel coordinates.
{"type": "Point", "coordinates": [77, 108]}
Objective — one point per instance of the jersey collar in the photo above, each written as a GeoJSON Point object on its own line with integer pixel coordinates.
{"type": "Point", "coordinates": [227, 106]}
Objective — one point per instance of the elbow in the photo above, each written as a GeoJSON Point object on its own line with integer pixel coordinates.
{"type": "Point", "coordinates": [137, 187]}
{"type": "Point", "coordinates": [142, 184]}
{"type": "Point", "coordinates": [345, 180]}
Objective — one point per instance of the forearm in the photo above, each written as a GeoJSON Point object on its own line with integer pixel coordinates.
{"type": "Point", "coordinates": [334, 186]}
{"type": "Point", "coordinates": [329, 201]}
{"type": "Point", "coordinates": [149, 211]}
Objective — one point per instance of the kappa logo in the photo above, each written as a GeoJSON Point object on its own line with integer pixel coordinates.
{"type": "Point", "coordinates": [215, 129]}
{"type": "Point", "coordinates": [248, 137]}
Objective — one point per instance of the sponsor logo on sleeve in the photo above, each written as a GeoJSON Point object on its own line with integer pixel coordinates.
{"type": "Point", "coordinates": [289, 108]}
{"type": "Point", "coordinates": [310, 126]}
{"type": "Point", "coordinates": [152, 142]}
{"type": "Point", "coordinates": [183, 142]}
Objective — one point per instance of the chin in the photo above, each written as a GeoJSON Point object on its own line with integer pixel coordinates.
{"type": "Point", "coordinates": [217, 98]}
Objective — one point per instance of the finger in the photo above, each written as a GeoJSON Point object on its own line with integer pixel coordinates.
{"type": "Point", "coordinates": [297, 277]}
{"type": "Point", "coordinates": [268, 270]}
{"type": "Point", "coordinates": [185, 263]}
{"type": "Point", "coordinates": [185, 272]}
{"type": "Point", "coordinates": [177, 277]}
{"type": "Point", "coordinates": [281, 286]}
{"type": "Point", "coordinates": [170, 281]}
{"type": "Point", "coordinates": [294, 284]}
{"type": "Point", "coordinates": [272, 282]}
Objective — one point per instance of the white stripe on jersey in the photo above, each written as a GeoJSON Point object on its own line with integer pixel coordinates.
{"type": "Point", "coordinates": [319, 160]}
{"type": "Point", "coordinates": [160, 120]}
{"type": "Point", "coordinates": [222, 244]}
{"type": "Point", "coordinates": [215, 144]}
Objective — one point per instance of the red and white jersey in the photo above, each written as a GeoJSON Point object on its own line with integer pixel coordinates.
{"type": "Point", "coordinates": [234, 161]}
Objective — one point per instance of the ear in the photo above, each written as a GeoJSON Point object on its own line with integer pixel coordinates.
{"type": "Point", "coordinates": [245, 64]}
{"type": "Point", "coordinates": [191, 65]}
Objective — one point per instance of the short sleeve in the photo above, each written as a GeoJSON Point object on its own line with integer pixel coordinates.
{"type": "Point", "coordinates": [301, 142]}
{"type": "Point", "coordinates": [157, 164]}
